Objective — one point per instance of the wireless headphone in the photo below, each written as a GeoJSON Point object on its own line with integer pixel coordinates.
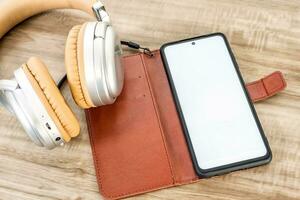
{"type": "Point", "coordinates": [94, 71]}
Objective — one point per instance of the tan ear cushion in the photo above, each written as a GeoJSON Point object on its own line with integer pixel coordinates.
{"type": "Point", "coordinates": [50, 96]}
{"type": "Point", "coordinates": [75, 67]}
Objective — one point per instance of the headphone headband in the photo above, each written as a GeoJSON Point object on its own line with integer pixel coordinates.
{"type": "Point", "coordinates": [16, 11]}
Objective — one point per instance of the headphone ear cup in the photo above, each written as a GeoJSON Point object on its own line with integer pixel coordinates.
{"type": "Point", "coordinates": [75, 67]}
{"type": "Point", "coordinates": [114, 69]}
{"type": "Point", "coordinates": [50, 96]}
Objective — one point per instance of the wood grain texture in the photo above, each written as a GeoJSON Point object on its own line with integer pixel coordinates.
{"type": "Point", "coordinates": [264, 36]}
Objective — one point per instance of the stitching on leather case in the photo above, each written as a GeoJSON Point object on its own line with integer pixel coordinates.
{"type": "Point", "coordinates": [95, 157]}
{"type": "Point", "coordinates": [157, 115]}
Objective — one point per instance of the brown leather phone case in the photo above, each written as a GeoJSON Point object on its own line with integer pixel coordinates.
{"type": "Point", "coordinates": [137, 142]}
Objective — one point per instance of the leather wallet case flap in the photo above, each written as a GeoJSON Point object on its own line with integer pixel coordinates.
{"type": "Point", "coordinates": [127, 138]}
{"type": "Point", "coordinates": [137, 142]}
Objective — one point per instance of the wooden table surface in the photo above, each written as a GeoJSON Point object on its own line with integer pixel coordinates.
{"type": "Point", "coordinates": [264, 35]}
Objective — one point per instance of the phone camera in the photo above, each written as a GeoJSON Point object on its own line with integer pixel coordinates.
{"type": "Point", "coordinates": [193, 43]}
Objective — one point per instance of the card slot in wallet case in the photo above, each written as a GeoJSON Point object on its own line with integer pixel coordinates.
{"type": "Point", "coordinates": [137, 143]}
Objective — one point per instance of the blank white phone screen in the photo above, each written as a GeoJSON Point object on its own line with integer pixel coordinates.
{"type": "Point", "coordinates": [220, 124]}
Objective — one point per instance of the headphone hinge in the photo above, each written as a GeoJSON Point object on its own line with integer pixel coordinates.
{"type": "Point", "coordinates": [8, 85]}
{"type": "Point", "coordinates": [100, 12]}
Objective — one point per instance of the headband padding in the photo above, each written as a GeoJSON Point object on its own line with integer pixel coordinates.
{"type": "Point", "coordinates": [50, 96]}
{"type": "Point", "coordinates": [75, 67]}
{"type": "Point", "coordinates": [15, 11]}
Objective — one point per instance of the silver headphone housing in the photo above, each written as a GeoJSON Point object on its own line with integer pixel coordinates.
{"type": "Point", "coordinates": [36, 121]}
{"type": "Point", "coordinates": [104, 74]}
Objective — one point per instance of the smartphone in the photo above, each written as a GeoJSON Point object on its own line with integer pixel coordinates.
{"type": "Point", "coordinates": [219, 121]}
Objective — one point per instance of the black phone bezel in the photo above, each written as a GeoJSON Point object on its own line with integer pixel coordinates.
{"type": "Point", "coordinates": [229, 167]}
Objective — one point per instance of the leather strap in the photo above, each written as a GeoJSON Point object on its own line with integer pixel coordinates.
{"type": "Point", "coordinates": [266, 87]}
{"type": "Point", "coordinates": [16, 11]}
